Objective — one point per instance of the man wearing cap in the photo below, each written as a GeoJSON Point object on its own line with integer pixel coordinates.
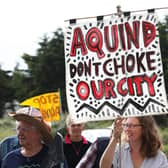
{"type": "Point", "coordinates": [33, 135]}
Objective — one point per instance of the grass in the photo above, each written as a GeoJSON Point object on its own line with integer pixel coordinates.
{"type": "Point", "coordinates": [7, 128]}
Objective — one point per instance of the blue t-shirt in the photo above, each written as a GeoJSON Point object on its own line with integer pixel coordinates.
{"type": "Point", "coordinates": [15, 159]}
{"type": "Point", "coordinates": [7, 145]}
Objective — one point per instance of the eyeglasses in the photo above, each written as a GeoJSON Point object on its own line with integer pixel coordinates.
{"type": "Point", "coordinates": [131, 126]}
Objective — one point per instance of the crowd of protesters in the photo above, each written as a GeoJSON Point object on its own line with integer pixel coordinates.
{"type": "Point", "coordinates": [134, 140]}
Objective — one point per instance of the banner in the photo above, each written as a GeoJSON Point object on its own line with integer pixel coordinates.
{"type": "Point", "coordinates": [49, 105]}
{"type": "Point", "coordinates": [114, 68]}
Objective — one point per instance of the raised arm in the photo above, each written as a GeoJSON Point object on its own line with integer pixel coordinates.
{"type": "Point", "coordinates": [108, 155]}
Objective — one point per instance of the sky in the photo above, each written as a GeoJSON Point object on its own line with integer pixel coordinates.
{"type": "Point", "coordinates": [23, 23]}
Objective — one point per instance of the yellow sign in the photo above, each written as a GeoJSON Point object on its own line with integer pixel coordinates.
{"type": "Point", "coordinates": [49, 105]}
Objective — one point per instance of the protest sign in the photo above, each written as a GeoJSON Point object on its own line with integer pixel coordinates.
{"type": "Point", "coordinates": [49, 105]}
{"type": "Point", "coordinates": [114, 68]}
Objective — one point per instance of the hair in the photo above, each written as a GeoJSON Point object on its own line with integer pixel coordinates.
{"type": "Point", "coordinates": [70, 120]}
{"type": "Point", "coordinates": [151, 141]}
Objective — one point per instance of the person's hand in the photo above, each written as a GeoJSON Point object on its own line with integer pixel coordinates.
{"type": "Point", "coordinates": [117, 128]}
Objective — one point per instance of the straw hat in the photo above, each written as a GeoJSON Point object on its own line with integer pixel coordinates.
{"type": "Point", "coordinates": [34, 117]}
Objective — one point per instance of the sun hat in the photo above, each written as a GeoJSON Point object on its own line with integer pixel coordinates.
{"type": "Point", "coordinates": [34, 117]}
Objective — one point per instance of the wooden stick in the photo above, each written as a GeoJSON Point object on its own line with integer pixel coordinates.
{"type": "Point", "coordinates": [120, 152]}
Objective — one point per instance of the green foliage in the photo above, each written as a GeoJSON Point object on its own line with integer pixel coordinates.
{"type": "Point", "coordinates": [7, 127]}
{"type": "Point", "coordinates": [163, 35]}
{"type": "Point", "coordinates": [163, 32]}
{"type": "Point", "coordinates": [46, 71]}
{"type": "Point", "coordinates": [47, 68]}
{"type": "Point", "coordinates": [164, 134]}
{"type": "Point", "coordinates": [165, 149]}
{"type": "Point", "coordinates": [21, 83]}
{"type": "Point", "coordinates": [6, 91]}
{"type": "Point", "coordinates": [162, 120]}
{"type": "Point", "coordinates": [98, 124]}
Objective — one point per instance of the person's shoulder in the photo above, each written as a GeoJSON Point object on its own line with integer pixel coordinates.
{"type": "Point", "coordinates": [161, 155]}
{"type": "Point", "coordinates": [8, 144]}
{"type": "Point", "coordinates": [12, 154]}
{"type": "Point", "coordinates": [89, 142]}
{"type": "Point", "coordinates": [10, 158]}
{"type": "Point", "coordinates": [45, 147]}
{"type": "Point", "coordinates": [100, 139]}
{"type": "Point", "coordinates": [158, 160]}
{"type": "Point", "coordinates": [102, 143]}
{"type": "Point", "coordinates": [103, 140]}
{"type": "Point", "coordinates": [11, 140]}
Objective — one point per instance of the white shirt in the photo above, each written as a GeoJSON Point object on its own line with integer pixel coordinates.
{"type": "Point", "coordinates": [159, 161]}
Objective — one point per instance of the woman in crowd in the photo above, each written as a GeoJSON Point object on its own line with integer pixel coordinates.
{"type": "Point", "coordinates": [142, 148]}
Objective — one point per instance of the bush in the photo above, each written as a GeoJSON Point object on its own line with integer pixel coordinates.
{"type": "Point", "coordinates": [164, 134]}
{"type": "Point", "coordinates": [7, 127]}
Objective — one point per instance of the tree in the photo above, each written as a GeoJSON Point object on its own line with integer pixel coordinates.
{"type": "Point", "coordinates": [163, 35]}
{"type": "Point", "coordinates": [6, 91]}
{"type": "Point", "coordinates": [46, 70]}
{"type": "Point", "coordinates": [163, 32]}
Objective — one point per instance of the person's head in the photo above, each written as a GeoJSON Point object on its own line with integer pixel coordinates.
{"type": "Point", "coordinates": [143, 129]}
{"type": "Point", "coordinates": [30, 126]}
{"type": "Point", "coordinates": [74, 128]}
{"type": "Point", "coordinates": [133, 129]}
{"type": "Point", "coordinates": [28, 134]}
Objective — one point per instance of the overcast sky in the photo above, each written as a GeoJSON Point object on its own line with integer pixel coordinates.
{"type": "Point", "coordinates": [24, 22]}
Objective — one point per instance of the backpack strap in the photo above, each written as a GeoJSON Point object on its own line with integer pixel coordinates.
{"type": "Point", "coordinates": [102, 143]}
{"type": "Point", "coordinates": [55, 157]}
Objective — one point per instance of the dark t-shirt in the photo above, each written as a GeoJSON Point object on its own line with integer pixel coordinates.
{"type": "Point", "coordinates": [74, 152]}
{"type": "Point", "coordinates": [15, 159]}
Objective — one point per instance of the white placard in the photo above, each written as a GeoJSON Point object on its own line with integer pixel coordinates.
{"type": "Point", "coordinates": [114, 68]}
